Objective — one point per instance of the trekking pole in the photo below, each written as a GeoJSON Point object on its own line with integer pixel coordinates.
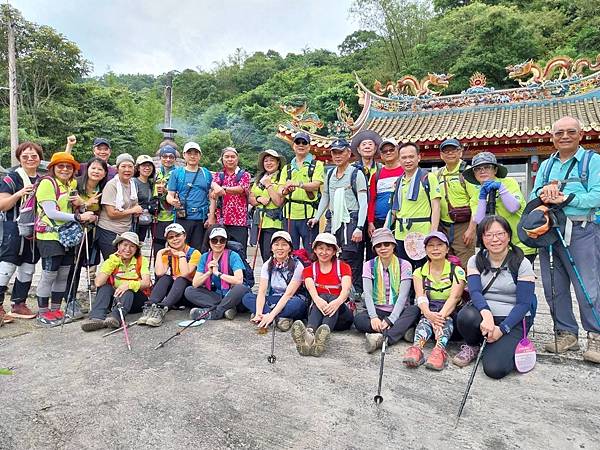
{"type": "Point", "coordinates": [70, 299]}
{"type": "Point", "coordinates": [203, 316]}
{"type": "Point", "coordinates": [119, 329]}
{"type": "Point", "coordinates": [378, 399]}
{"type": "Point", "coordinates": [490, 206]}
{"type": "Point", "coordinates": [466, 394]}
{"type": "Point", "coordinates": [262, 216]}
{"type": "Point", "coordinates": [272, 358]}
{"type": "Point", "coordinates": [553, 296]}
{"type": "Point", "coordinates": [124, 324]}
{"type": "Point", "coordinates": [87, 256]}
{"type": "Point", "coordinates": [586, 294]}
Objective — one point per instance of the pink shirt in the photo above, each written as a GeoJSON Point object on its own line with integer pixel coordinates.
{"type": "Point", "coordinates": [235, 207]}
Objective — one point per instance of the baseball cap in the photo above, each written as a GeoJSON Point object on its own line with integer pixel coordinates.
{"type": "Point", "coordinates": [436, 234]}
{"type": "Point", "coordinates": [168, 150]}
{"type": "Point", "coordinates": [283, 235]}
{"type": "Point", "coordinates": [218, 231]}
{"type": "Point", "coordinates": [302, 135]}
{"type": "Point", "coordinates": [191, 145]}
{"type": "Point", "coordinates": [175, 228]}
{"type": "Point", "coordinates": [339, 144]}
{"type": "Point", "coordinates": [450, 143]}
{"type": "Point", "coordinates": [101, 141]}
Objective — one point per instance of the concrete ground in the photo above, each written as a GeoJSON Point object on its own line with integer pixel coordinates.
{"type": "Point", "coordinates": [212, 387]}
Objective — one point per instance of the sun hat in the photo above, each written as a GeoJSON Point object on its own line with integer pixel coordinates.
{"type": "Point", "coordinates": [143, 159]}
{"type": "Point", "coordinates": [218, 231]}
{"type": "Point", "coordinates": [535, 229]}
{"type": "Point", "coordinates": [436, 234]}
{"type": "Point", "coordinates": [101, 141]}
{"type": "Point", "coordinates": [63, 157]}
{"type": "Point", "coordinates": [191, 146]}
{"type": "Point", "coordinates": [365, 135]}
{"type": "Point", "coordinates": [124, 157]}
{"type": "Point", "coordinates": [382, 235]}
{"type": "Point", "coordinates": [482, 159]}
{"type": "Point", "coordinates": [326, 238]}
{"type": "Point", "coordinates": [175, 228]}
{"type": "Point", "coordinates": [270, 152]}
{"type": "Point", "coordinates": [302, 135]}
{"type": "Point", "coordinates": [283, 235]}
{"type": "Point", "coordinates": [128, 236]}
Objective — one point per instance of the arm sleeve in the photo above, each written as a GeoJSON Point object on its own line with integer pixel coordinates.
{"type": "Point", "coordinates": [368, 296]}
{"type": "Point", "coordinates": [511, 202]}
{"type": "Point", "coordinates": [53, 213]}
{"type": "Point", "coordinates": [480, 211]}
{"type": "Point", "coordinates": [403, 295]}
{"type": "Point", "coordinates": [475, 288]}
{"type": "Point", "coordinates": [525, 299]}
{"type": "Point", "coordinates": [361, 189]}
{"type": "Point", "coordinates": [324, 202]}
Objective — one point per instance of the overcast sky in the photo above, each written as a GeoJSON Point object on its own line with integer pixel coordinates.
{"type": "Point", "coordinates": [135, 36]}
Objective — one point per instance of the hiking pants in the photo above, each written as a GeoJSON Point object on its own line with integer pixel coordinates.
{"type": "Point", "coordinates": [294, 309]}
{"type": "Point", "coordinates": [168, 292]}
{"type": "Point", "coordinates": [424, 331]}
{"type": "Point", "coordinates": [264, 242]}
{"type": "Point", "coordinates": [204, 298]}
{"type": "Point", "coordinates": [194, 231]}
{"type": "Point", "coordinates": [22, 283]}
{"type": "Point", "coordinates": [132, 302]}
{"type": "Point", "coordinates": [584, 248]}
{"type": "Point", "coordinates": [455, 233]}
{"type": "Point", "coordinates": [340, 321]}
{"type": "Point", "coordinates": [352, 252]}
{"type": "Point", "coordinates": [104, 241]}
{"type": "Point", "coordinates": [298, 228]}
{"type": "Point", "coordinates": [407, 319]}
{"type": "Point", "coordinates": [159, 242]}
{"type": "Point", "coordinates": [498, 358]}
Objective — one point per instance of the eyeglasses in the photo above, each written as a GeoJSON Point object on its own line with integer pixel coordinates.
{"type": "Point", "coordinates": [572, 132]}
{"type": "Point", "coordinates": [301, 142]}
{"type": "Point", "coordinates": [498, 235]}
{"type": "Point", "coordinates": [218, 240]}
{"type": "Point", "coordinates": [168, 156]}
{"type": "Point", "coordinates": [32, 157]}
{"type": "Point", "coordinates": [484, 168]}
{"type": "Point", "coordinates": [63, 166]}
{"type": "Point", "coordinates": [385, 151]}
{"type": "Point", "coordinates": [383, 244]}
{"type": "Point", "coordinates": [450, 149]}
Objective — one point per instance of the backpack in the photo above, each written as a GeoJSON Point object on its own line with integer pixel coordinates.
{"type": "Point", "coordinates": [248, 272]}
{"type": "Point", "coordinates": [25, 213]}
{"type": "Point", "coordinates": [238, 176]}
{"type": "Point", "coordinates": [465, 297]}
{"type": "Point", "coordinates": [424, 183]}
{"type": "Point", "coordinates": [138, 270]}
{"type": "Point", "coordinates": [353, 176]}
{"type": "Point", "coordinates": [583, 168]}
{"type": "Point", "coordinates": [311, 171]}
{"type": "Point", "coordinates": [301, 290]}
{"type": "Point", "coordinates": [188, 256]}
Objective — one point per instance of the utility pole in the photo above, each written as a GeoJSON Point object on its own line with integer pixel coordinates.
{"type": "Point", "coordinates": [12, 88]}
{"type": "Point", "coordinates": [168, 100]}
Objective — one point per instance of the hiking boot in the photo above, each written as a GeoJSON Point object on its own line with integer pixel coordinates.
{"type": "Point", "coordinates": [321, 338]}
{"type": "Point", "coordinates": [230, 313]}
{"type": "Point", "coordinates": [438, 359]}
{"type": "Point", "coordinates": [413, 357]}
{"type": "Point", "coordinates": [197, 313]}
{"type": "Point", "coordinates": [5, 318]}
{"type": "Point", "coordinates": [93, 325]}
{"type": "Point", "coordinates": [409, 335]}
{"type": "Point", "coordinates": [284, 324]}
{"type": "Point", "coordinates": [112, 322]}
{"type": "Point", "coordinates": [156, 316]}
{"type": "Point", "coordinates": [21, 311]}
{"type": "Point", "coordinates": [373, 341]}
{"type": "Point", "coordinates": [303, 338]}
{"type": "Point", "coordinates": [466, 355]}
{"type": "Point", "coordinates": [73, 310]}
{"type": "Point", "coordinates": [592, 354]}
{"type": "Point", "coordinates": [146, 311]}
{"type": "Point", "coordinates": [47, 320]}
{"type": "Point", "coordinates": [564, 340]}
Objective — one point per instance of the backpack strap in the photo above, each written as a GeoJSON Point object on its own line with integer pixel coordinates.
{"type": "Point", "coordinates": [311, 169]}
{"type": "Point", "coordinates": [584, 167]}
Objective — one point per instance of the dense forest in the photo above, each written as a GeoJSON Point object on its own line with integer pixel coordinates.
{"type": "Point", "coordinates": [237, 101]}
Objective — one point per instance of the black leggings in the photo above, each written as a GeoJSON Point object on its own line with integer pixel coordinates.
{"type": "Point", "coordinates": [498, 358]}
{"type": "Point", "coordinates": [340, 321]}
{"type": "Point", "coordinates": [408, 318]}
{"type": "Point", "coordinates": [168, 292]}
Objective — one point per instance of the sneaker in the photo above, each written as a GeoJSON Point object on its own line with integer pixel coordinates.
{"type": "Point", "coordinates": [21, 311]}
{"type": "Point", "coordinates": [284, 324]}
{"type": "Point", "coordinates": [145, 314]}
{"type": "Point", "coordinates": [302, 338]}
{"type": "Point", "coordinates": [230, 313]}
{"type": "Point", "coordinates": [592, 354]}
{"type": "Point", "coordinates": [466, 355]}
{"type": "Point", "coordinates": [112, 322]}
{"type": "Point", "coordinates": [373, 341]}
{"type": "Point", "coordinates": [409, 335]}
{"type": "Point", "coordinates": [73, 310]}
{"type": "Point", "coordinates": [93, 325]}
{"type": "Point", "coordinates": [413, 357]}
{"type": "Point", "coordinates": [157, 314]}
{"type": "Point", "coordinates": [438, 359]}
{"type": "Point", "coordinates": [321, 338]}
{"type": "Point", "coordinates": [5, 318]}
{"type": "Point", "coordinates": [47, 320]}
{"type": "Point", "coordinates": [58, 314]}
{"type": "Point", "coordinates": [565, 341]}
{"type": "Point", "coordinates": [197, 313]}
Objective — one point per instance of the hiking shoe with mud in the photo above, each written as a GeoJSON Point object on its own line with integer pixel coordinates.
{"type": "Point", "coordinates": [21, 311]}
{"type": "Point", "coordinates": [230, 313]}
{"type": "Point", "coordinates": [409, 335]}
{"type": "Point", "coordinates": [303, 338]}
{"type": "Point", "coordinates": [112, 322]}
{"type": "Point", "coordinates": [592, 354]}
{"type": "Point", "coordinates": [284, 324]}
{"type": "Point", "coordinates": [373, 341]}
{"type": "Point", "coordinates": [93, 325]}
{"type": "Point", "coordinates": [565, 341]}
{"type": "Point", "coordinates": [321, 338]}
{"type": "Point", "coordinates": [438, 359]}
{"type": "Point", "coordinates": [156, 316]}
{"type": "Point", "coordinates": [466, 355]}
{"type": "Point", "coordinates": [145, 314]}
{"type": "Point", "coordinates": [413, 357]}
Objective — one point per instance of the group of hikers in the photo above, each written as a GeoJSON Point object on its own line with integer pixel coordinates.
{"type": "Point", "coordinates": [406, 253]}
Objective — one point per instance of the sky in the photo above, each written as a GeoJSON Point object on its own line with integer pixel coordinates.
{"type": "Point", "coordinates": [154, 37]}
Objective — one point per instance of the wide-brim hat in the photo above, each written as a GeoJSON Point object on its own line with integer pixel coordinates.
{"type": "Point", "coordinates": [364, 136]}
{"type": "Point", "coordinates": [325, 238]}
{"type": "Point", "coordinates": [128, 236]}
{"type": "Point", "coordinates": [270, 152]}
{"type": "Point", "coordinates": [536, 229]}
{"type": "Point", "coordinates": [482, 159]}
{"type": "Point", "coordinates": [63, 157]}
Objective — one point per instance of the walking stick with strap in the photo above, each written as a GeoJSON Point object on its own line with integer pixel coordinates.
{"type": "Point", "coordinates": [553, 296]}
{"type": "Point", "coordinates": [124, 324]}
{"type": "Point", "coordinates": [87, 256]}
{"type": "Point", "coordinates": [70, 299]}
{"type": "Point", "coordinates": [473, 372]}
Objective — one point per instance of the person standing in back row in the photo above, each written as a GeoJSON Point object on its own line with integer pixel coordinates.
{"type": "Point", "coordinates": [101, 149]}
{"type": "Point", "coordinates": [300, 183]}
{"type": "Point", "coordinates": [165, 215]}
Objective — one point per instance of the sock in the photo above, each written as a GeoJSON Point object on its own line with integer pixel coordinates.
{"type": "Point", "coordinates": [43, 305]}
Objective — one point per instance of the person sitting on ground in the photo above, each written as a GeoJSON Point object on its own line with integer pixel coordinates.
{"type": "Point", "coordinates": [502, 287]}
{"type": "Point", "coordinates": [328, 281]}
{"type": "Point", "coordinates": [387, 281]}
{"type": "Point", "coordinates": [438, 289]}
{"type": "Point", "coordinates": [280, 278]}
{"type": "Point", "coordinates": [174, 268]}
{"type": "Point", "coordinates": [145, 171]}
{"type": "Point", "coordinates": [217, 288]}
{"type": "Point", "coordinates": [121, 283]}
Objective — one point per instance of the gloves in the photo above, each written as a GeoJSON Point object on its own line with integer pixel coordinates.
{"type": "Point", "coordinates": [487, 187]}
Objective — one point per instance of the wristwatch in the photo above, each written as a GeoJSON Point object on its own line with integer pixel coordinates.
{"type": "Point", "coordinates": [359, 227]}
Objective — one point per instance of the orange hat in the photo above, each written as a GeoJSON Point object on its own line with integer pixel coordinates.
{"type": "Point", "coordinates": [63, 157]}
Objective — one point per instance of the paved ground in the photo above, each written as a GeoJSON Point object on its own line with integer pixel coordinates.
{"type": "Point", "coordinates": [212, 387]}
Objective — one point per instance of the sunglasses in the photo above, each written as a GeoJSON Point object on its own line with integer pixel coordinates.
{"type": "Point", "coordinates": [301, 142]}
{"type": "Point", "coordinates": [218, 240]}
{"type": "Point", "coordinates": [383, 244]}
{"type": "Point", "coordinates": [385, 151]}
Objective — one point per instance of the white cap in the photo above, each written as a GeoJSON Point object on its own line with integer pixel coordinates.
{"type": "Point", "coordinates": [326, 238]}
{"type": "Point", "coordinates": [175, 228]}
{"type": "Point", "coordinates": [283, 235]}
{"type": "Point", "coordinates": [191, 145]}
{"type": "Point", "coordinates": [218, 231]}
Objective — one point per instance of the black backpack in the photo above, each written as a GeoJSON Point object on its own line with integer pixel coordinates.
{"type": "Point", "coordinates": [238, 248]}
